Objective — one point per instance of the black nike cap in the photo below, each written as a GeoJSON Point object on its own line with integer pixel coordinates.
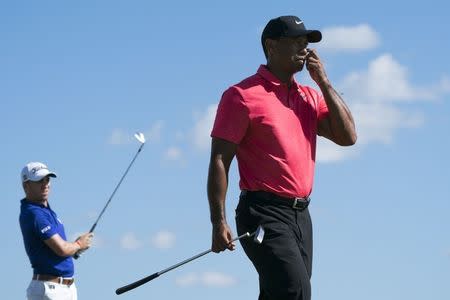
{"type": "Point", "coordinates": [289, 26]}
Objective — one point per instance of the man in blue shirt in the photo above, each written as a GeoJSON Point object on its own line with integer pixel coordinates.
{"type": "Point", "coordinates": [45, 240]}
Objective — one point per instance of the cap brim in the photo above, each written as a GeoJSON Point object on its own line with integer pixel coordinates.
{"type": "Point", "coordinates": [41, 174]}
{"type": "Point", "coordinates": [314, 36]}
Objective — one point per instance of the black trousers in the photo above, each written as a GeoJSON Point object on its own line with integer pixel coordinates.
{"type": "Point", "coordinates": [284, 259]}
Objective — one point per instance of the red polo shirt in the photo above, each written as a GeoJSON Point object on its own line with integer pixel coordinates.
{"type": "Point", "coordinates": [275, 128]}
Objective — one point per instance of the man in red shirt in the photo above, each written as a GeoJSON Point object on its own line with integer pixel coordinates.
{"type": "Point", "coordinates": [270, 123]}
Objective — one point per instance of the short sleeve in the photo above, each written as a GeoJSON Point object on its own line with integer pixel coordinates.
{"type": "Point", "coordinates": [319, 101]}
{"type": "Point", "coordinates": [322, 108]}
{"type": "Point", "coordinates": [232, 117]}
{"type": "Point", "coordinates": [43, 226]}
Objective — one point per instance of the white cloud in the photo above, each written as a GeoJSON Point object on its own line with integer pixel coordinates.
{"type": "Point", "coordinates": [164, 240]}
{"type": "Point", "coordinates": [122, 137]}
{"type": "Point", "coordinates": [119, 137]}
{"type": "Point", "coordinates": [375, 123]}
{"type": "Point", "coordinates": [154, 133]}
{"type": "Point", "coordinates": [387, 80]}
{"type": "Point", "coordinates": [444, 85]}
{"type": "Point", "coordinates": [173, 153]}
{"type": "Point", "coordinates": [349, 38]}
{"type": "Point", "coordinates": [378, 122]}
{"type": "Point", "coordinates": [217, 279]}
{"type": "Point", "coordinates": [202, 128]}
{"type": "Point", "coordinates": [377, 99]}
{"type": "Point", "coordinates": [129, 241]}
{"type": "Point", "coordinates": [187, 280]}
{"type": "Point", "coordinates": [209, 279]}
{"type": "Point", "coordinates": [327, 151]}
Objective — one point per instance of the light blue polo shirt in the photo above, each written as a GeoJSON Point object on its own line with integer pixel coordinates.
{"type": "Point", "coordinates": [39, 223]}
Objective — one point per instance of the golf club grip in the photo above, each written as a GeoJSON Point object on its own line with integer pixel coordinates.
{"type": "Point", "coordinates": [93, 227]}
{"type": "Point", "coordinates": [78, 254]}
{"type": "Point", "coordinates": [136, 284]}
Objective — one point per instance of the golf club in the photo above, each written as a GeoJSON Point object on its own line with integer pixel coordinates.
{"type": "Point", "coordinates": [140, 137]}
{"type": "Point", "coordinates": [258, 237]}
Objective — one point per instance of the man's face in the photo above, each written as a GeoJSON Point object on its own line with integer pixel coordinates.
{"type": "Point", "coordinates": [289, 53]}
{"type": "Point", "coordinates": [38, 190]}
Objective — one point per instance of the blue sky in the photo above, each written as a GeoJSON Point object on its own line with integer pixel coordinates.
{"type": "Point", "coordinates": [77, 79]}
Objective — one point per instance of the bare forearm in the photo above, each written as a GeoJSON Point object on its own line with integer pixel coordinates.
{"type": "Point", "coordinates": [64, 248]}
{"type": "Point", "coordinates": [69, 249]}
{"type": "Point", "coordinates": [342, 125]}
{"type": "Point", "coordinates": [217, 188]}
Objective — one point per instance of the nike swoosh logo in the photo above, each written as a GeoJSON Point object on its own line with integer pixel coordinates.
{"type": "Point", "coordinates": [298, 22]}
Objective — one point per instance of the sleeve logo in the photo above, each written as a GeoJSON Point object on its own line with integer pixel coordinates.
{"type": "Point", "coordinates": [45, 229]}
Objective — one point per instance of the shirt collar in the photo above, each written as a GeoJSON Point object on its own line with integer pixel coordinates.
{"type": "Point", "coordinates": [268, 76]}
{"type": "Point", "coordinates": [28, 202]}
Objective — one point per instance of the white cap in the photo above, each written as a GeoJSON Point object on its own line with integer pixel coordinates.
{"type": "Point", "coordinates": [35, 171]}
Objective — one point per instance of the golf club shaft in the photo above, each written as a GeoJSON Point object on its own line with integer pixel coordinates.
{"type": "Point", "coordinates": [157, 274]}
{"type": "Point", "coordinates": [117, 187]}
{"type": "Point", "coordinates": [77, 255]}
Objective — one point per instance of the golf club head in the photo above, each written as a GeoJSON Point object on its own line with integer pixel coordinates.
{"type": "Point", "coordinates": [140, 137]}
{"type": "Point", "coordinates": [259, 235]}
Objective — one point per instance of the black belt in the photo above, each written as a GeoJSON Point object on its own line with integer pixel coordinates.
{"type": "Point", "coordinates": [295, 203]}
